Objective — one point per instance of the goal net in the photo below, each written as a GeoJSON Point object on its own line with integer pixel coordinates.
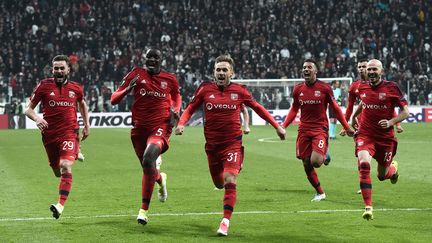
{"type": "Point", "coordinates": [276, 94]}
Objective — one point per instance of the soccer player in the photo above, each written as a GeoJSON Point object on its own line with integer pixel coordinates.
{"type": "Point", "coordinates": [375, 136]}
{"type": "Point", "coordinates": [312, 97]}
{"type": "Point", "coordinates": [59, 125]}
{"type": "Point", "coordinates": [353, 97]}
{"type": "Point", "coordinates": [155, 111]}
{"type": "Point", "coordinates": [223, 102]}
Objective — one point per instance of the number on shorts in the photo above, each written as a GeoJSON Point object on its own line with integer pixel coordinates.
{"type": "Point", "coordinates": [68, 145]}
{"type": "Point", "coordinates": [159, 132]}
{"type": "Point", "coordinates": [232, 156]}
{"type": "Point", "coordinates": [321, 144]}
{"type": "Point", "coordinates": [388, 156]}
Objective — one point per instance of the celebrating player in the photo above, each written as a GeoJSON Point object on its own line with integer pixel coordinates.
{"type": "Point", "coordinates": [375, 136]}
{"type": "Point", "coordinates": [59, 126]}
{"type": "Point", "coordinates": [154, 113]}
{"type": "Point", "coordinates": [223, 102]}
{"type": "Point", "coordinates": [312, 97]}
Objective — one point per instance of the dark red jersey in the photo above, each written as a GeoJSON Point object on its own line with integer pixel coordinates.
{"type": "Point", "coordinates": [379, 103]}
{"type": "Point", "coordinates": [154, 96]}
{"type": "Point", "coordinates": [352, 98]}
{"type": "Point", "coordinates": [313, 100]}
{"type": "Point", "coordinates": [222, 109]}
{"type": "Point", "coordinates": [59, 105]}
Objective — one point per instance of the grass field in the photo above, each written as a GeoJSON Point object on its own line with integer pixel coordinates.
{"type": "Point", "coordinates": [273, 193]}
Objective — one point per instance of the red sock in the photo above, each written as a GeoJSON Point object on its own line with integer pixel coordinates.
{"type": "Point", "coordinates": [313, 178]}
{"type": "Point", "coordinates": [64, 187]}
{"type": "Point", "coordinates": [365, 183]}
{"type": "Point", "coordinates": [390, 172]}
{"type": "Point", "coordinates": [147, 186]}
{"type": "Point", "coordinates": [229, 200]}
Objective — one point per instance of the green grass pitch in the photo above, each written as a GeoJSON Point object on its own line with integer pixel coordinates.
{"type": "Point", "coordinates": [273, 194]}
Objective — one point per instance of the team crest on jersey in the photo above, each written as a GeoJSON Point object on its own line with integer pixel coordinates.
{"type": "Point", "coordinates": [164, 85]}
{"type": "Point", "coordinates": [317, 93]}
{"type": "Point", "coordinates": [52, 94]}
{"type": "Point", "coordinates": [382, 96]}
{"type": "Point", "coordinates": [234, 96]}
{"type": "Point", "coordinates": [71, 94]}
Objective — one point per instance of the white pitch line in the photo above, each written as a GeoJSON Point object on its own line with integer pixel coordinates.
{"type": "Point", "coordinates": [217, 213]}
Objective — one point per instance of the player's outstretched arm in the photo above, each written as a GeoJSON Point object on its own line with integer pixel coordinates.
{"type": "Point", "coordinates": [246, 119]}
{"type": "Point", "coordinates": [30, 113]}
{"type": "Point", "coordinates": [123, 90]}
{"type": "Point", "coordinates": [83, 108]}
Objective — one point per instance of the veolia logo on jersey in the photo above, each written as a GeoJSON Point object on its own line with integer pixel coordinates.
{"type": "Point", "coordinates": [144, 92]}
{"type": "Point", "coordinates": [374, 107]}
{"type": "Point", "coordinates": [53, 103]}
{"type": "Point", "coordinates": [211, 106]}
{"type": "Point", "coordinates": [309, 102]}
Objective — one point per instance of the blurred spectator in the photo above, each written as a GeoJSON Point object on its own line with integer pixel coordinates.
{"type": "Point", "coordinates": [108, 38]}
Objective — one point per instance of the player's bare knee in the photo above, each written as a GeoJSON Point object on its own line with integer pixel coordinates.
{"type": "Point", "coordinates": [151, 154]}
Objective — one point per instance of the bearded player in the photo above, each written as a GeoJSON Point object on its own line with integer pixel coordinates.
{"type": "Point", "coordinates": [59, 127]}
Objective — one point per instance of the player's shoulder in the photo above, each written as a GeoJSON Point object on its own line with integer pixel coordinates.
{"type": "Point", "coordinates": [168, 75]}
{"type": "Point", "coordinates": [238, 86]}
{"type": "Point", "coordinates": [46, 81]}
{"type": "Point", "coordinates": [75, 84]}
{"type": "Point", "coordinates": [323, 85]}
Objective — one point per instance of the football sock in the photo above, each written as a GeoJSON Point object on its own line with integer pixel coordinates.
{"type": "Point", "coordinates": [147, 186]}
{"type": "Point", "coordinates": [64, 187]}
{"type": "Point", "coordinates": [365, 183]}
{"type": "Point", "coordinates": [313, 178]}
{"type": "Point", "coordinates": [229, 200]}
{"type": "Point", "coordinates": [332, 130]}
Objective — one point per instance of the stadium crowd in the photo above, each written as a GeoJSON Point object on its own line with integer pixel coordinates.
{"type": "Point", "coordinates": [267, 38]}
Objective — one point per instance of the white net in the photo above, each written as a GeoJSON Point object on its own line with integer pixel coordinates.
{"type": "Point", "coordinates": [273, 93]}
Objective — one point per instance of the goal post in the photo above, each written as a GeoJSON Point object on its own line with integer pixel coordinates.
{"type": "Point", "coordinates": [271, 92]}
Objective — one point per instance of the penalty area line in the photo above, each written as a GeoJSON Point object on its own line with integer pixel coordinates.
{"type": "Point", "coordinates": [216, 213]}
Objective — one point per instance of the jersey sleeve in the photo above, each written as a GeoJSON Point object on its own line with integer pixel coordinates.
{"type": "Point", "coordinates": [118, 95]}
{"type": "Point", "coordinates": [36, 96]}
{"type": "Point", "coordinates": [401, 100]}
{"type": "Point", "coordinates": [195, 102]}
{"type": "Point", "coordinates": [176, 98]}
{"type": "Point", "coordinates": [292, 113]}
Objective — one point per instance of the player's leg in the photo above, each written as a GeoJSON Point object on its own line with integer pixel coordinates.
{"type": "Point", "coordinates": [68, 152]}
{"type": "Point", "coordinates": [53, 158]}
{"type": "Point", "coordinates": [161, 181]}
{"type": "Point", "coordinates": [232, 162]}
{"type": "Point", "coordinates": [365, 158]}
{"type": "Point", "coordinates": [387, 168]}
{"type": "Point", "coordinates": [215, 166]}
{"type": "Point", "coordinates": [332, 128]}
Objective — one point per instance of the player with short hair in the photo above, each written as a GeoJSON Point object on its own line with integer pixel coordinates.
{"type": "Point", "coordinates": [59, 97]}
{"type": "Point", "coordinates": [313, 97]}
{"type": "Point", "coordinates": [223, 102]}
{"type": "Point", "coordinates": [154, 112]}
{"type": "Point", "coordinates": [375, 136]}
